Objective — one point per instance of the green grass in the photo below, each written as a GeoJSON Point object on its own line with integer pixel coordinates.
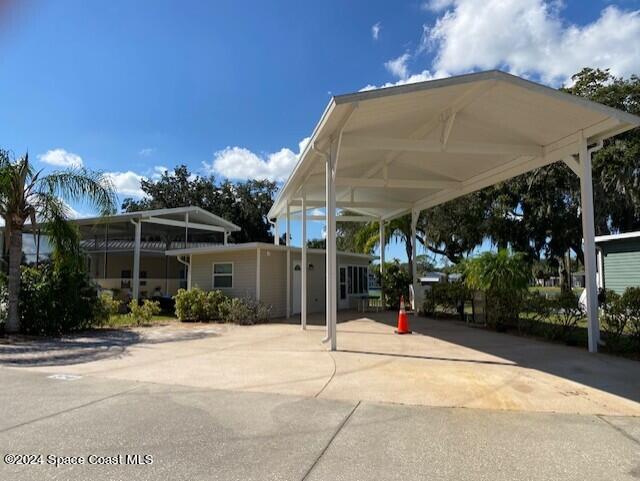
{"type": "Point", "coordinates": [123, 320]}
{"type": "Point", "coordinates": [554, 291]}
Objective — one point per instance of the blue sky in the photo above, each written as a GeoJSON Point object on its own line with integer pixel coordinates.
{"type": "Point", "coordinates": [232, 88]}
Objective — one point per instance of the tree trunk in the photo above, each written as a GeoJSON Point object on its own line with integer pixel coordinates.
{"type": "Point", "coordinates": [409, 256]}
{"type": "Point", "coordinates": [15, 259]}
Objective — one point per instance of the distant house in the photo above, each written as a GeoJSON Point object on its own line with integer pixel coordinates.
{"type": "Point", "coordinates": [154, 253]}
{"type": "Point", "coordinates": [619, 261]}
{"type": "Point", "coordinates": [259, 271]}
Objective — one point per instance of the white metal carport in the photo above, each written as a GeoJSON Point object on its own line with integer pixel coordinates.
{"type": "Point", "coordinates": [398, 150]}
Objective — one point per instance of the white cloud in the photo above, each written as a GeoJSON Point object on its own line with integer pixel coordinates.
{"type": "Point", "coordinates": [398, 66]}
{"type": "Point", "coordinates": [127, 183]}
{"type": "Point", "coordinates": [159, 171]}
{"type": "Point", "coordinates": [375, 30]}
{"type": "Point", "coordinates": [61, 158]}
{"type": "Point", "coordinates": [146, 152]}
{"type": "Point", "coordinates": [411, 79]}
{"type": "Point", "coordinates": [241, 163]}
{"type": "Point", "coordinates": [525, 37]}
{"type": "Point", "coordinates": [529, 38]}
{"type": "Point", "coordinates": [437, 5]}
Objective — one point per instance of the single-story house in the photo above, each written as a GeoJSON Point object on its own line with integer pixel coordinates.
{"type": "Point", "coordinates": [126, 253]}
{"type": "Point", "coordinates": [259, 271]}
{"type": "Point", "coordinates": [154, 253]}
{"type": "Point", "coordinates": [619, 261]}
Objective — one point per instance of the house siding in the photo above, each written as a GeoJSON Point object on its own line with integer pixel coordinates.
{"type": "Point", "coordinates": [244, 272]}
{"type": "Point", "coordinates": [621, 264]}
{"type": "Point", "coordinates": [273, 275]}
{"type": "Point", "coordinates": [273, 280]}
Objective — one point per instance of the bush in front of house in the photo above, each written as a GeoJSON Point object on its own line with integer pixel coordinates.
{"type": "Point", "coordinates": [57, 300]}
{"type": "Point", "coordinates": [244, 311]}
{"type": "Point", "coordinates": [504, 278]}
{"type": "Point", "coordinates": [613, 320]}
{"type": "Point", "coordinates": [446, 297]}
{"type": "Point", "coordinates": [395, 281]}
{"type": "Point", "coordinates": [108, 305]}
{"type": "Point", "coordinates": [198, 305]}
{"type": "Point", "coordinates": [631, 304]}
{"type": "Point", "coordinates": [143, 313]}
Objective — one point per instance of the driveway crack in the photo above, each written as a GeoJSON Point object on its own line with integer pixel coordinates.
{"type": "Point", "coordinates": [335, 434]}
{"type": "Point", "coordinates": [64, 411]}
{"type": "Point", "coordinates": [330, 377]}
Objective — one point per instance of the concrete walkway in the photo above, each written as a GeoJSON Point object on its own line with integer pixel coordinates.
{"type": "Point", "coordinates": [443, 363]}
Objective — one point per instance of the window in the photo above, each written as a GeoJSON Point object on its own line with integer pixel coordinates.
{"type": "Point", "coordinates": [222, 275]}
{"type": "Point", "coordinates": [357, 279]}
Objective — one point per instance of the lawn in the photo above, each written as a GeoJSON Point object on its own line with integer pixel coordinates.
{"type": "Point", "coordinates": [124, 320]}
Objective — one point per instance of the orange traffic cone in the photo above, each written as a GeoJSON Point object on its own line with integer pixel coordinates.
{"type": "Point", "coordinates": [403, 319]}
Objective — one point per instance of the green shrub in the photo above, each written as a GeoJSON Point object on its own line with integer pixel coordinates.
{"type": "Point", "coordinates": [536, 310]}
{"type": "Point", "coordinates": [143, 313]}
{"type": "Point", "coordinates": [198, 305]}
{"type": "Point", "coordinates": [631, 304]}
{"type": "Point", "coordinates": [107, 306]}
{"type": "Point", "coordinates": [568, 313]}
{"type": "Point", "coordinates": [504, 278]}
{"type": "Point", "coordinates": [57, 300]}
{"type": "Point", "coordinates": [614, 319]}
{"type": "Point", "coordinates": [445, 297]}
{"type": "Point", "coordinates": [395, 282]}
{"type": "Point", "coordinates": [245, 311]}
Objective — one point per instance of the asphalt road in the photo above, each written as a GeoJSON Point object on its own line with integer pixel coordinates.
{"type": "Point", "coordinates": [196, 434]}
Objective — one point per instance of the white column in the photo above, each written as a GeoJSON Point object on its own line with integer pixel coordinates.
{"type": "Point", "coordinates": [303, 281]}
{"type": "Point", "coordinates": [414, 263]}
{"type": "Point", "coordinates": [258, 274]}
{"type": "Point", "coordinates": [135, 287]}
{"type": "Point", "coordinates": [186, 230]}
{"type": "Point", "coordinates": [276, 235]}
{"type": "Point", "coordinates": [189, 269]}
{"type": "Point", "coordinates": [382, 246]}
{"type": "Point", "coordinates": [588, 234]}
{"type": "Point", "coordinates": [600, 260]}
{"type": "Point", "coordinates": [226, 238]}
{"type": "Point", "coordinates": [288, 241]}
{"type": "Point", "coordinates": [332, 301]}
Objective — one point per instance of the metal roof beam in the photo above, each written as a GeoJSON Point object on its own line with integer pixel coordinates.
{"type": "Point", "coordinates": [363, 142]}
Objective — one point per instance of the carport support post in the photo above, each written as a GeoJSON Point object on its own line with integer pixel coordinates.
{"type": "Point", "coordinates": [382, 245]}
{"type": "Point", "coordinates": [330, 202]}
{"type": "Point", "coordinates": [588, 234]}
{"type": "Point", "coordinates": [414, 264]}
{"type": "Point", "coordinates": [136, 260]}
{"type": "Point", "coordinates": [303, 254]}
{"type": "Point", "coordinates": [288, 242]}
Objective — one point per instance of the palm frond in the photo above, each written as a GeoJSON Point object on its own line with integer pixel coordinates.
{"type": "Point", "coordinates": [81, 185]}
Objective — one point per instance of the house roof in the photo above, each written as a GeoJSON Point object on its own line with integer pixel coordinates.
{"type": "Point", "coordinates": [614, 237]}
{"type": "Point", "coordinates": [415, 146]}
{"type": "Point", "coordinates": [247, 246]}
{"type": "Point", "coordinates": [196, 215]}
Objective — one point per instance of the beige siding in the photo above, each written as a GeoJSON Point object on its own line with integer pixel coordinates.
{"type": "Point", "coordinates": [273, 276]}
{"type": "Point", "coordinates": [244, 272]}
{"type": "Point", "coordinates": [273, 280]}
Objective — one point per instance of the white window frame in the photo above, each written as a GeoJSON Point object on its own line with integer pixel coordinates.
{"type": "Point", "coordinates": [213, 275]}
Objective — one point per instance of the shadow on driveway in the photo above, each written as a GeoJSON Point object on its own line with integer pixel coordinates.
{"type": "Point", "coordinates": [88, 346]}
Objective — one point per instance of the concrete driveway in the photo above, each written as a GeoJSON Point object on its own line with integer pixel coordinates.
{"type": "Point", "coordinates": [269, 402]}
{"type": "Point", "coordinates": [443, 363]}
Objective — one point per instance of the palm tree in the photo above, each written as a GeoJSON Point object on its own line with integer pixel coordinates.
{"type": "Point", "coordinates": [368, 236]}
{"type": "Point", "coordinates": [28, 195]}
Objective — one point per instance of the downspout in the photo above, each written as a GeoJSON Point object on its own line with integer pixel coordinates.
{"type": "Point", "coordinates": [188, 271]}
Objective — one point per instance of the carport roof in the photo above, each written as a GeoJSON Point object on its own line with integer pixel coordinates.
{"type": "Point", "coordinates": [415, 146]}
